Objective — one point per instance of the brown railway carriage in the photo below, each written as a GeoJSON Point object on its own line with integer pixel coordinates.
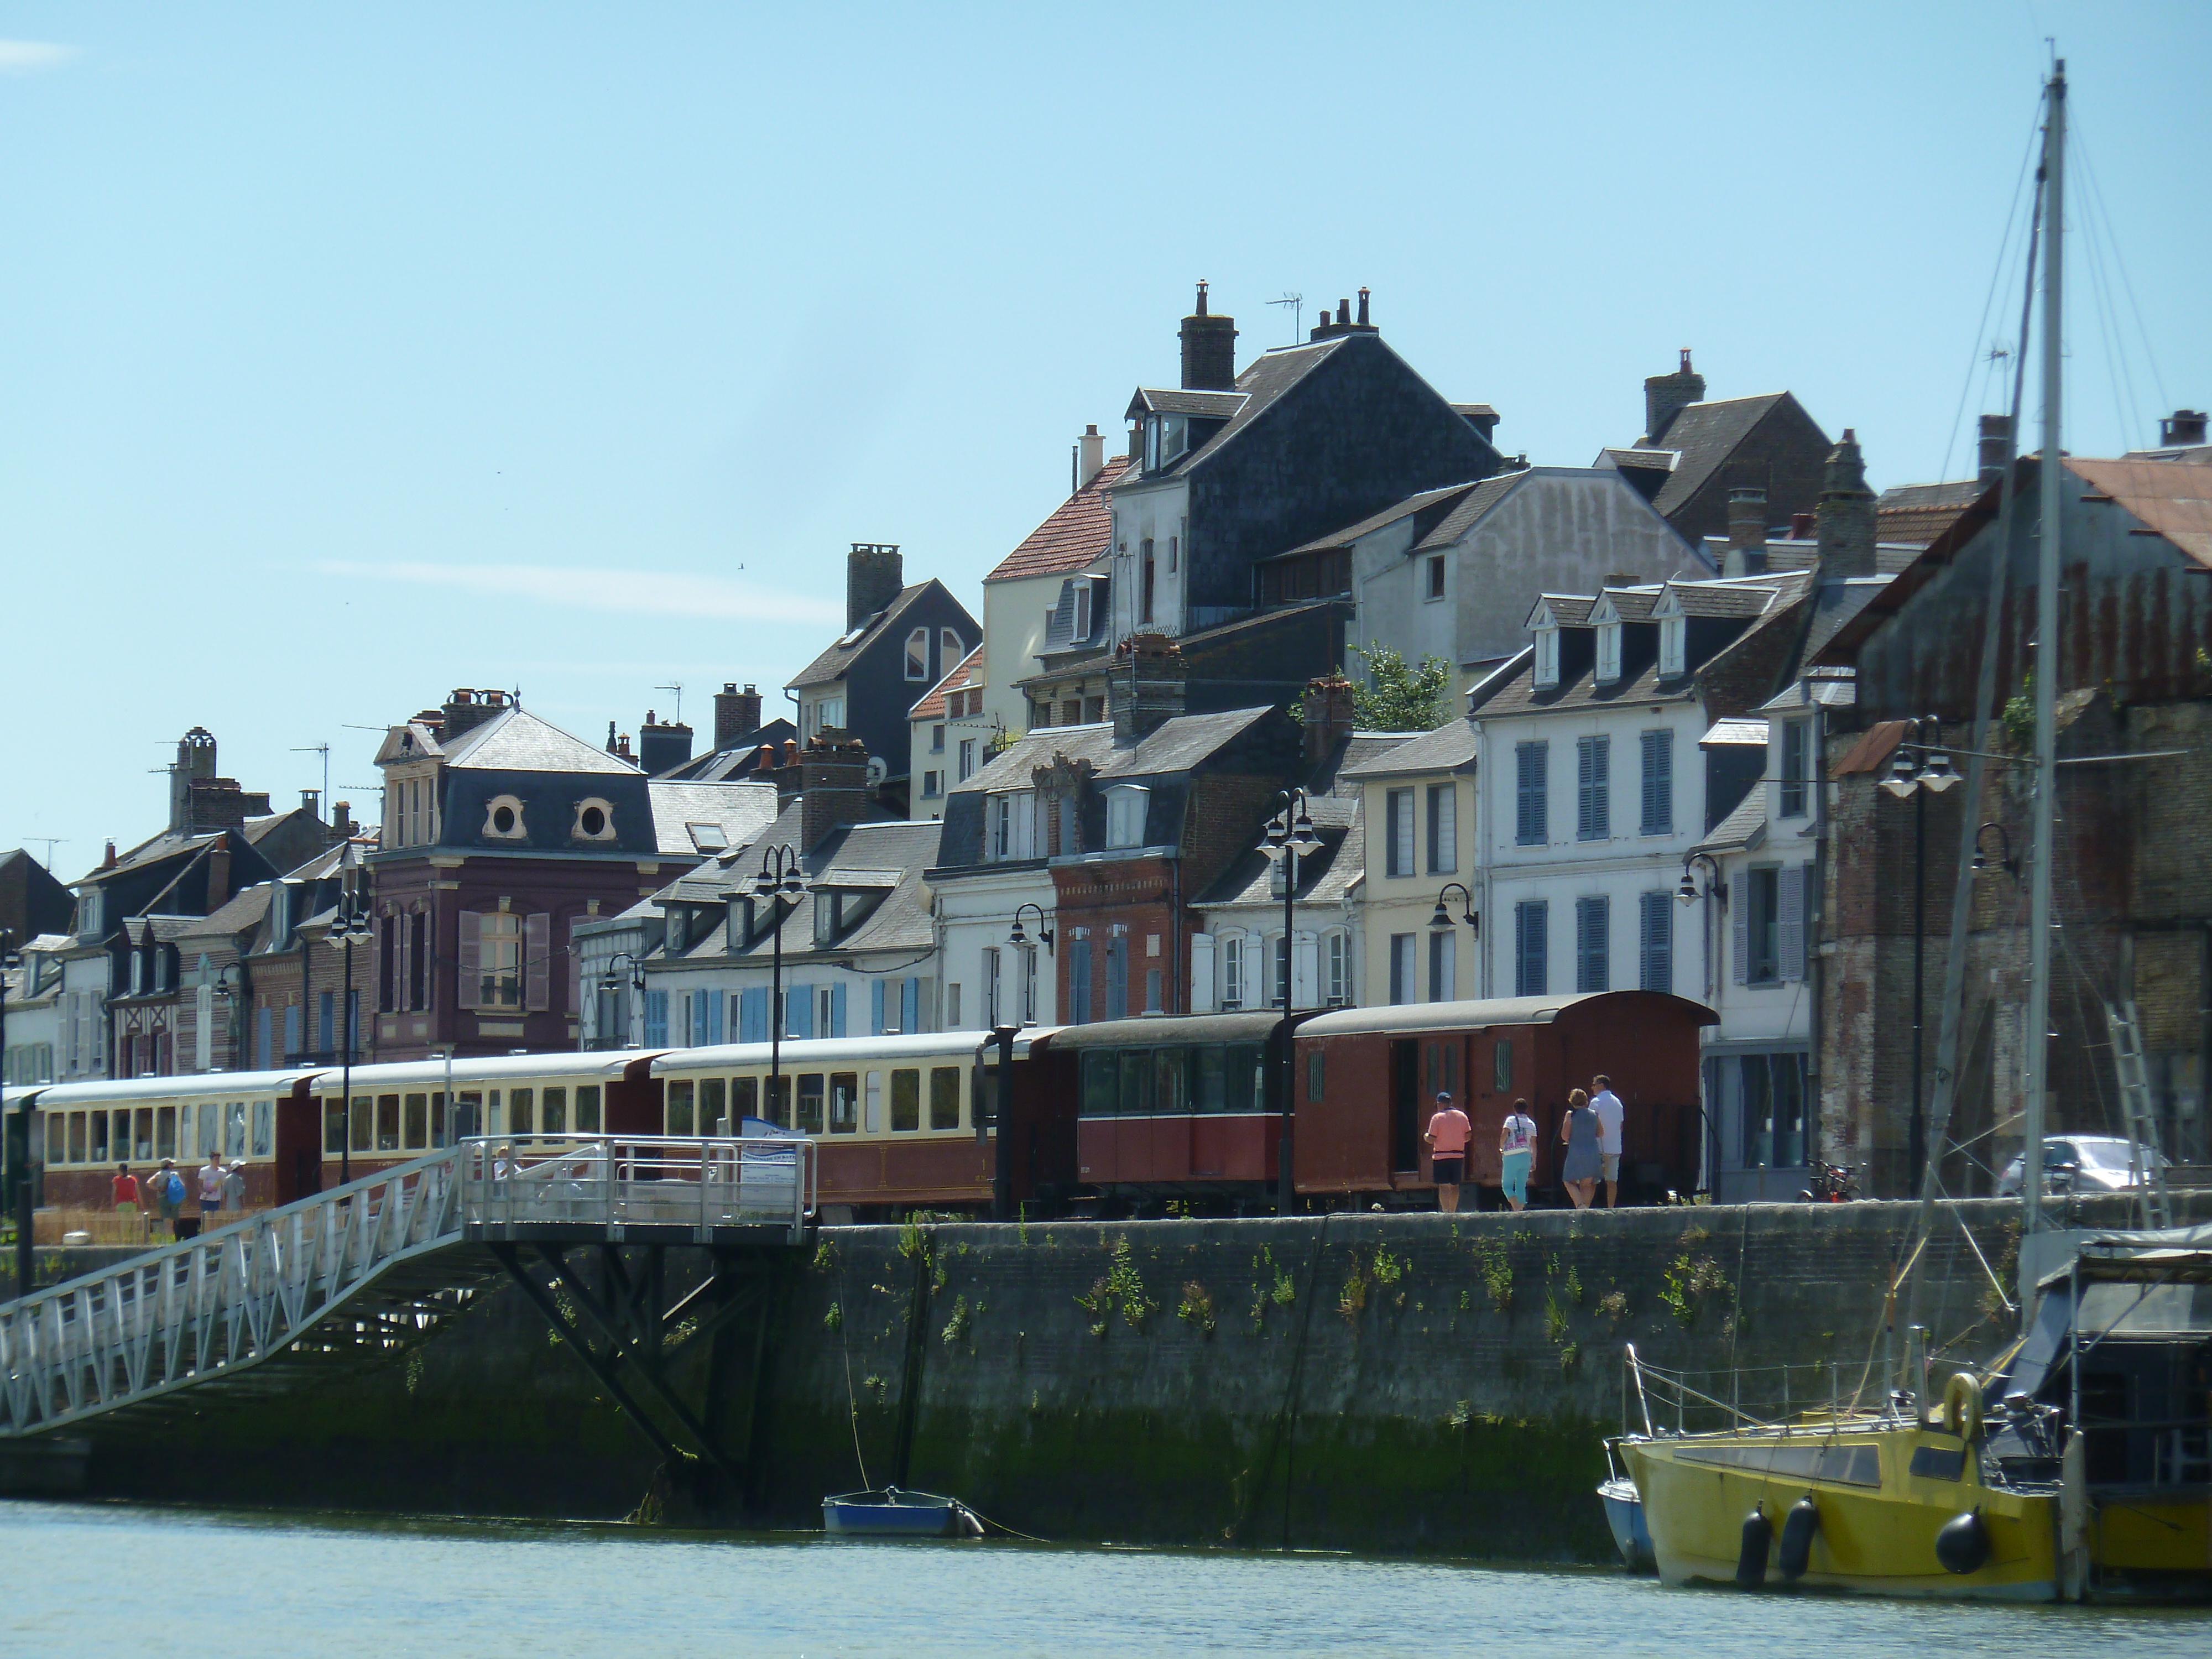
{"type": "Point", "coordinates": [82, 1131]}
{"type": "Point", "coordinates": [1367, 1078]}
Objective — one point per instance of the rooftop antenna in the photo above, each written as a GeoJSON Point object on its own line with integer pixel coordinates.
{"type": "Point", "coordinates": [679, 691]}
{"type": "Point", "coordinates": [323, 750]}
{"type": "Point", "coordinates": [1298, 305]}
{"type": "Point", "coordinates": [51, 842]}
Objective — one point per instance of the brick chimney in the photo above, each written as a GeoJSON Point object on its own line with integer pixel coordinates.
{"type": "Point", "coordinates": [342, 828]}
{"type": "Point", "coordinates": [219, 804]}
{"type": "Point", "coordinates": [1146, 687]}
{"type": "Point", "coordinates": [1329, 327]}
{"type": "Point", "coordinates": [1844, 521]}
{"type": "Point", "coordinates": [1327, 716]}
{"type": "Point", "coordinates": [737, 715]}
{"type": "Point", "coordinates": [466, 709]}
{"type": "Point", "coordinates": [2183, 429]}
{"type": "Point", "coordinates": [1995, 446]}
{"type": "Point", "coordinates": [833, 783]}
{"type": "Point", "coordinates": [1746, 532]}
{"type": "Point", "coordinates": [218, 873]}
{"type": "Point", "coordinates": [874, 576]}
{"type": "Point", "coordinates": [195, 764]}
{"type": "Point", "coordinates": [1090, 449]}
{"type": "Point", "coordinates": [662, 744]}
{"type": "Point", "coordinates": [1209, 356]}
{"type": "Point", "coordinates": [1665, 396]}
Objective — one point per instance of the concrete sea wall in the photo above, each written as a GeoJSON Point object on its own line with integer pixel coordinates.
{"type": "Point", "coordinates": [1419, 1383]}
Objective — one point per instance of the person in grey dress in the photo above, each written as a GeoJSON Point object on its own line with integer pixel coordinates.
{"type": "Point", "coordinates": [1578, 1134]}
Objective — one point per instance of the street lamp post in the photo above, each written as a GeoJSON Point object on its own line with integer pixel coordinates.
{"type": "Point", "coordinates": [611, 981]}
{"type": "Point", "coordinates": [1290, 837]}
{"type": "Point", "coordinates": [1921, 769]}
{"type": "Point", "coordinates": [351, 923]}
{"type": "Point", "coordinates": [781, 876]}
{"type": "Point", "coordinates": [1020, 940]}
{"type": "Point", "coordinates": [232, 998]}
{"type": "Point", "coordinates": [18, 1132]}
{"type": "Point", "coordinates": [1687, 894]}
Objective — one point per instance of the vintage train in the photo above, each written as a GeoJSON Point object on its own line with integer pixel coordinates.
{"type": "Point", "coordinates": [1204, 1112]}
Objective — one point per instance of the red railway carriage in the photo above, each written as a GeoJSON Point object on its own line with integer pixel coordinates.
{"type": "Point", "coordinates": [265, 1119]}
{"type": "Point", "coordinates": [1367, 1080]}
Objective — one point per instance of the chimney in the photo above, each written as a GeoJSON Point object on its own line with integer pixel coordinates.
{"type": "Point", "coordinates": [1146, 688]}
{"type": "Point", "coordinates": [1746, 532]}
{"type": "Point", "coordinates": [611, 737]}
{"type": "Point", "coordinates": [622, 749]}
{"type": "Point", "coordinates": [662, 744]}
{"type": "Point", "coordinates": [1665, 396]}
{"type": "Point", "coordinates": [342, 828]}
{"type": "Point", "coordinates": [1327, 716]}
{"type": "Point", "coordinates": [737, 714]}
{"type": "Point", "coordinates": [1209, 352]}
{"type": "Point", "coordinates": [195, 764]}
{"type": "Point", "coordinates": [311, 801]}
{"type": "Point", "coordinates": [1996, 445]}
{"type": "Point", "coordinates": [466, 709]}
{"type": "Point", "coordinates": [1843, 521]}
{"type": "Point", "coordinates": [218, 874]}
{"type": "Point", "coordinates": [107, 860]}
{"type": "Point", "coordinates": [1090, 450]}
{"type": "Point", "coordinates": [874, 576]}
{"type": "Point", "coordinates": [1329, 327]}
{"type": "Point", "coordinates": [1801, 527]}
{"type": "Point", "coordinates": [2183, 429]}
{"type": "Point", "coordinates": [219, 804]}
{"type": "Point", "coordinates": [833, 784]}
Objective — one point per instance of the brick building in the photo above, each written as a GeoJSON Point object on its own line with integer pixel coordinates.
{"type": "Point", "coordinates": [1694, 453]}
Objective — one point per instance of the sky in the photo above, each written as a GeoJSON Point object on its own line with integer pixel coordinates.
{"type": "Point", "coordinates": [349, 355]}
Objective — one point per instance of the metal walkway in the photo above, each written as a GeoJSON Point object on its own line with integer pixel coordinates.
{"type": "Point", "coordinates": [348, 1278]}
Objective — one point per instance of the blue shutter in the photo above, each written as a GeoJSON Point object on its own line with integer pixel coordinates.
{"type": "Point", "coordinates": [836, 1010]}
{"type": "Point", "coordinates": [264, 1025]}
{"type": "Point", "coordinates": [1531, 923]}
{"type": "Point", "coordinates": [713, 1018]}
{"type": "Point", "coordinates": [1656, 944]}
{"type": "Point", "coordinates": [910, 1005]}
{"type": "Point", "coordinates": [292, 1023]}
{"type": "Point", "coordinates": [875, 1007]}
{"type": "Point", "coordinates": [799, 1011]}
{"type": "Point", "coordinates": [656, 1019]}
{"type": "Point", "coordinates": [1530, 829]}
{"type": "Point", "coordinates": [1592, 918]}
{"type": "Point", "coordinates": [1592, 820]}
{"type": "Point", "coordinates": [1658, 783]}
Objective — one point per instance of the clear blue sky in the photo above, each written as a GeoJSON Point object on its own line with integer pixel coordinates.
{"type": "Point", "coordinates": [355, 353]}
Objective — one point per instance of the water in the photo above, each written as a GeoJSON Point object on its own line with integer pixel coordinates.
{"type": "Point", "coordinates": [128, 1579]}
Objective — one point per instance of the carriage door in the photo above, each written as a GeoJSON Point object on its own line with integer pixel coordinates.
{"type": "Point", "coordinates": [1405, 1106]}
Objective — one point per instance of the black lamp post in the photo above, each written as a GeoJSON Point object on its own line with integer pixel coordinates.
{"type": "Point", "coordinates": [1687, 894]}
{"type": "Point", "coordinates": [231, 995]}
{"type": "Point", "coordinates": [2008, 860]}
{"type": "Point", "coordinates": [351, 924]}
{"type": "Point", "coordinates": [1020, 940]}
{"type": "Point", "coordinates": [781, 877]}
{"type": "Point", "coordinates": [1442, 918]}
{"type": "Point", "coordinates": [1922, 768]}
{"type": "Point", "coordinates": [611, 981]}
{"type": "Point", "coordinates": [1290, 837]}
{"type": "Point", "coordinates": [18, 1132]}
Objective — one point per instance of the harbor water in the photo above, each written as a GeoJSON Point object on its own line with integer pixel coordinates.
{"type": "Point", "coordinates": [137, 1579]}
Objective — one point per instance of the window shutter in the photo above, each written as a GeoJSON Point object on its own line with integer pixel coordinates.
{"type": "Point", "coordinates": [1305, 970]}
{"type": "Point", "coordinates": [1657, 946]}
{"type": "Point", "coordinates": [1592, 968]}
{"type": "Point", "coordinates": [1444, 828]}
{"type": "Point", "coordinates": [1202, 998]}
{"type": "Point", "coordinates": [1531, 827]}
{"type": "Point", "coordinates": [799, 1011]}
{"type": "Point", "coordinates": [1583, 798]}
{"type": "Point", "coordinates": [471, 987]}
{"type": "Point", "coordinates": [713, 1001]}
{"type": "Point", "coordinates": [1790, 891]}
{"type": "Point", "coordinates": [836, 1010]}
{"type": "Point", "coordinates": [875, 1007]}
{"type": "Point", "coordinates": [575, 973]}
{"type": "Point", "coordinates": [1740, 930]}
{"type": "Point", "coordinates": [911, 1005]}
{"type": "Point", "coordinates": [537, 961]}
{"type": "Point", "coordinates": [1658, 783]}
{"type": "Point", "coordinates": [925, 997]}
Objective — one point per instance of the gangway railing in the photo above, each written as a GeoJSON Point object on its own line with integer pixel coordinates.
{"type": "Point", "coordinates": [338, 1272]}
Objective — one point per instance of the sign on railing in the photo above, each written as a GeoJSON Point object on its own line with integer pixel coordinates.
{"type": "Point", "coordinates": [640, 1180]}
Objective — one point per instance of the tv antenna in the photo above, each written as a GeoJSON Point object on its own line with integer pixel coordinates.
{"type": "Point", "coordinates": [1298, 305]}
{"type": "Point", "coordinates": [323, 750]}
{"type": "Point", "coordinates": [678, 689]}
{"type": "Point", "coordinates": [51, 842]}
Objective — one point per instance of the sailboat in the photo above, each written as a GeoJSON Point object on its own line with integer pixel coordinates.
{"type": "Point", "coordinates": [2078, 1464]}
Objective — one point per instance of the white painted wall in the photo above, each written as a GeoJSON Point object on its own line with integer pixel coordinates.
{"type": "Point", "coordinates": [975, 913]}
{"type": "Point", "coordinates": [1160, 511]}
{"type": "Point", "coordinates": [1015, 616]}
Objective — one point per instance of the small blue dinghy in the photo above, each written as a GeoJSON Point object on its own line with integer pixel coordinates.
{"type": "Point", "coordinates": [893, 1513]}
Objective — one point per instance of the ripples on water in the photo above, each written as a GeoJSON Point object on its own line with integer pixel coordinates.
{"type": "Point", "coordinates": [133, 1580]}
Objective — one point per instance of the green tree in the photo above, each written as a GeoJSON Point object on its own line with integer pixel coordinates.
{"type": "Point", "coordinates": [1398, 696]}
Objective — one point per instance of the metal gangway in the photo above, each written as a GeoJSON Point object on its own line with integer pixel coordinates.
{"type": "Point", "coordinates": [352, 1276]}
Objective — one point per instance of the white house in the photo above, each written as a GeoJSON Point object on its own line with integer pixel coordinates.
{"type": "Point", "coordinates": [1420, 796]}
{"type": "Point", "coordinates": [953, 732]}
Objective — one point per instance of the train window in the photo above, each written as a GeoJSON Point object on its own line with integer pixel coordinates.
{"type": "Point", "coordinates": [415, 1125]}
{"type": "Point", "coordinates": [209, 1137]}
{"type": "Point", "coordinates": [872, 1106]}
{"type": "Point", "coordinates": [983, 1090]}
{"type": "Point", "coordinates": [714, 1106]}
{"type": "Point", "coordinates": [1209, 1078]}
{"type": "Point", "coordinates": [522, 1112]}
{"type": "Point", "coordinates": [1101, 1085]}
{"type": "Point", "coordinates": [468, 1113]}
{"type": "Point", "coordinates": [1316, 1073]}
{"type": "Point", "coordinates": [495, 1115]}
{"type": "Point", "coordinates": [165, 1132]}
{"type": "Point", "coordinates": [1136, 1082]}
{"type": "Point", "coordinates": [437, 1117]}
{"type": "Point", "coordinates": [844, 1103]}
{"type": "Point", "coordinates": [779, 1102]}
{"type": "Point", "coordinates": [99, 1137]}
{"type": "Point", "coordinates": [333, 1124]}
{"type": "Point", "coordinates": [1169, 1094]}
{"type": "Point", "coordinates": [1501, 1066]}
{"type": "Point", "coordinates": [944, 1097]}
{"type": "Point", "coordinates": [553, 1112]}
{"type": "Point", "coordinates": [810, 1102]}
{"type": "Point", "coordinates": [76, 1137]}
{"type": "Point", "coordinates": [745, 1101]}
{"type": "Point", "coordinates": [265, 1128]}
{"type": "Point", "coordinates": [1248, 1089]}
{"type": "Point", "coordinates": [364, 1123]}
{"type": "Point", "coordinates": [387, 1123]}
{"type": "Point", "coordinates": [906, 1101]}
{"type": "Point", "coordinates": [57, 1137]}
{"type": "Point", "coordinates": [680, 1090]}
{"type": "Point", "coordinates": [587, 1109]}
{"type": "Point", "coordinates": [233, 1129]}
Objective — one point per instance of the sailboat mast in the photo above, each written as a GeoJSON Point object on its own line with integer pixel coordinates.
{"type": "Point", "coordinates": [2051, 477]}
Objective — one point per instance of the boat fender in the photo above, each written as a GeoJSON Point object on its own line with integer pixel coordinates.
{"type": "Point", "coordinates": [1963, 1545]}
{"type": "Point", "coordinates": [1962, 1407]}
{"type": "Point", "coordinates": [1751, 1561]}
{"type": "Point", "coordinates": [1798, 1527]}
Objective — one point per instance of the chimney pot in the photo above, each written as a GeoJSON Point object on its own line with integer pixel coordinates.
{"type": "Point", "coordinates": [737, 715]}
{"type": "Point", "coordinates": [1209, 359]}
{"type": "Point", "coordinates": [1327, 715]}
{"type": "Point", "coordinates": [1845, 519]}
{"type": "Point", "coordinates": [833, 783]}
{"type": "Point", "coordinates": [2183, 429]}
{"type": "Point", "coordinates": [1746, 532]}
{"type": "Point", "coordinates": [1091, 449]}
{"type": "Point", "coordinates": [1363, 308]}
{"type": "Point", "coordinates": [1995, 446]}
{"type": "Point", "coordinates": [1665, 396]}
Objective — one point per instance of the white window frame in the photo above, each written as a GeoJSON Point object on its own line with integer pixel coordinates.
{"type": "Point", "coordinates": [1547, 658]}
{"type": "Point", "coordinates": [967, 759]}
{"type": "Point", "coordinates": [1232, 972]}
{"type": "Point", "coordinates": [1128, 807]}
{"type": "Point", "coordinates": [1673, 646]}
{"type": "Point", "coordinates": [1608, 654]}
{"type": "Point", "coordinates": [1338, 957]}
{"type": "Point", "coordinates": [1400, 807]}
{"type": "Point", "coordinates": [1436, 580]}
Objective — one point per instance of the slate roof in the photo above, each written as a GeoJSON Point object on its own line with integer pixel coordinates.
{"type": "Point", "coordinates": [1704, 435]}
{"type": "Point", "coordinates": [1716, 599]}
{"type": "Point", "coordinates": [257, 829]}
{"type": "Point", "coordinates": [151, 852]}
{"type": "Point", "coordinates": [1638, 459]}
{"type": "Point", "coordinates": [856, 857]}
{"type": "Point", "coordinates": [1066, 664]}
{"type": "Point", "coordinates": [1741, 830]}
{"type": "Point", "coordinates": [1829, 690]}
{"type": "Point", "coordinates": [1568, 609]}
{"type": "Point", "coordinates": [831, 663]}
{"type": "Point", "coordinates": [1634, 605]}
{"type": "Point", "coordinates": [1451, 745]}
{"type": "Point", "coordinates": [1176, 400]}
{"type": "Point", "coordinates": [1918, 513]}
{"type": "Point", "coordinates": [1431, 503]}
{"type": "Point", "coordinates": [969, 672]}
{"type": "Point", "coordinates": [1078, 534]}
{"type": "Point", "coordinates": [1264, 380]}
{"type": "Point", "coordinates": [1472, 507]}
{"type": "Point", "coordinates": [516, 740]}
{"type": "Point", "coordinates": [1175, 745]}
{"type": "Point", "coordinates": [1735, 731]}
{"type": "Point", "coordinates": [741, 810]}
{"type": "Point", "coordinates": [1834, 605]}
{"type": "Point", "coordinates": [241, 913]}
{"type": "Point", "coordinates": [1324, 878]}
{"type": "Point", "coordinates": [1339, 773]}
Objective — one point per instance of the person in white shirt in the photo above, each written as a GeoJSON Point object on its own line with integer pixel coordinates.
{"type": "Point", "coordinates": [1516, 1145]}
{"type": "Point", "coordinates": [1607, 1105]}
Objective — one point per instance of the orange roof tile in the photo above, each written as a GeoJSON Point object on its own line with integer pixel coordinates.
{"type": "Point", "coordinates": [1075, 536]}
{"type": "Point", "coordinates": [968, 673]}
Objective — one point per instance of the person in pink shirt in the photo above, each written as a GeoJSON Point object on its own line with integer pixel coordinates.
{"type": "Point", "coordinates": [1446, 1135]}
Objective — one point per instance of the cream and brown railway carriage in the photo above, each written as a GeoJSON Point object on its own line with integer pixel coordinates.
{"type": "Point", "coordinates": [403, 1109]}
{"type": "Point", "coordinates": [82, 1131]}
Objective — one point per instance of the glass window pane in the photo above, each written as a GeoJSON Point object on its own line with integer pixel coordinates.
{"type": "Point", "coordinates": [587, 1109]}
{"type": "Point", "coordinates": [778, 1092]}
{"type": "Point", "coordinates": [944, 1097]}
{"type": "Point", "coordinates": [77, 1134]}
{"type": "Point", "coordinates": [872, 1112]}
{"type": "Point", "coordinates": [1168, 1097]}
{"type": "Point", "coordinates": [553, 1112]}
{"type": "Point", "coordinates": [387, 1123]}
{"type": "Point", "coordinates": [1245, 1088]}
{"type": "Point", "coordinates": [99, 1137]}
{"type": "Point", "coordinates": [810, 1103]}
{"type": "Point", "coordinates": [438, 1117]}
{"type": "Point", "coordinates": [415, 1124]}
{"type": "Point", "coordinates": [680, 1091]}
{"type": "Point", "coordinates": [265, 1128]}
{"type": "Point", "coordinates": [364, 1123]}
{"type": "Point", "coordinates": [1210, 1079]}
{"type": "Point", "coordinates": [906, 1101]}
{"type": "Point", "coordinates": [521, 1111]}
{"type": "Point", "coordinates": [714, 1106]}
{"type": "Point", "coordinates": [745, 1101]}
{"type": "Point", "coordinates": [844, 1103]}
{"type": "Point", "coordinates": [1102, 1083]}
{"type": "Point", "coordinates": [233, 1129]}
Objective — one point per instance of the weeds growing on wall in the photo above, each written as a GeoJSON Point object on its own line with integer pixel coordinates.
{"type": "Point", "coordinates": [1197, 1308]}
{"type": "Point", "coordinates": [957, 1326]}
{"type": "Point", "coordinates": [1495, 1268]}
{"type": "Point", "coordinates": [834, 1319]}
{"type": "Point", "coordinates": [1122, 1287]}
{"type": "Point", "coordinates": [1614, 1305]}
{"type": "Point", "coordinates": [1690, 1284]}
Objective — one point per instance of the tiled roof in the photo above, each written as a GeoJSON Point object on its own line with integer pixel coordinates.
{"type": "Point", "coordinates": [1336, 774]}
{"type": "Point", "coordinates": [1741, 830]}
{"type": "Point", "coordinates": [831, 663]}
{"type": "Point", "coordinates": [968, 673]}
{"type": "Point", "coordinates": [151, 852]}
{"type": "Point", "coordinates": [1704, 436]}
{"type": "Point", "coordinates": [1918, 513]}
{"type": "Point", "coordinates": [1433, 502]}
{"type": "Point", "coordinates": [1639, 460]}
{"type": "Point", "coordinates": [1483, 410]}
{"type": "Point", "coordinates": [1735, 731]}
{"type": "Point", "coordinates": [1633, 604]}
{"type": "Point", "coordinates": [1099, 661]}
{"type": "Point", "coordinates": [1830, 690]}
{"type": "Point", "coordinates": [1078, 533]}
{"type": "Point", "coordinates": [1721, 599]}
{"type": "Point", "coordinates": [862, 852]}
{"type": "Point", "coordinates": [1569, 610]}
{"type": "Point", "coordinates": [740, 811]}
{"type": "Point", "coordinates": [1452, 745]}
{"type": "Point", "coordinates": [517, 740]}
{"type": "Point", "coordinates": [242, 914]}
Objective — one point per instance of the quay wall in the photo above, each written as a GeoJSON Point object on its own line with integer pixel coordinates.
{"type": "Point", "coordinates": [1400, 1383]}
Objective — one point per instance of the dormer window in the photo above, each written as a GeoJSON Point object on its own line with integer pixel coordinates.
{"type": "Point", "coordinates": [1608, 654]}
{"type": "Point", "coordinates": [1547, 658]}
{"type": "Point", "coordinates": [1080, 627]}
{"type": "Point", "coordinates": [595, 820]}
{"type": "Point", "coordinates": [1673, 646]}
{"type": "Point", "coordinates": [1126, 805]}
{"type": "Point", "coordinates": [1166, 437]}
{"type": "Point", "coordinates": [503, 819]}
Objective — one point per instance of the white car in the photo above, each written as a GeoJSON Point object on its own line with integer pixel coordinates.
{"type": "Point", "coordinates": [2079, 1164]}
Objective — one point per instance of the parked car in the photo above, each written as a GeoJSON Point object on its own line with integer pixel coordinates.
{"type": "Point", "coordinates": [2079, 1164]}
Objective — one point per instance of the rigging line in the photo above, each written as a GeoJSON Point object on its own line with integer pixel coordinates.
{"type": "Point", "coordinates": [1997, 275]}
{"type": "Point", "coordinates": [2097, 190]}
{"type": "Point", "coordinates": [2100, 305]}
